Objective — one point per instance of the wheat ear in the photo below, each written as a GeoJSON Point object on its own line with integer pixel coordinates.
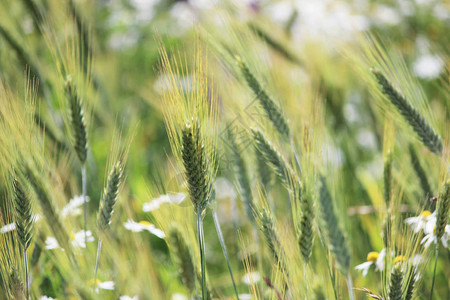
{"type": "Point", "coordinates": [274, 159]}
{"type": "Point", "coordinates": [331, 225]}
{"type": "Point", "coordinates": [306, 237]}
{"type": "Point", "coordinates": [410, 284]}
{"type": "Point", "coordinates": [395, 285]}
{"type": "Point", "coordinates": [272, 110]}
{"type": "Point", "coordinates": [425, 132]}
{"type": "Point", "coordinates": [24, 226]}
{"type": "Point", "coordinates": [241, 174]}
{"type": "Point", "coordinates": [182, 256]}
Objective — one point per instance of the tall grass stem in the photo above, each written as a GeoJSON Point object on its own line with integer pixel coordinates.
{"type": "Point", "coordinates": [83, 189]}
{"type": "Point", "coordinates": [201, 245]}
{"type": "Point", "coordinates": [99, 249]}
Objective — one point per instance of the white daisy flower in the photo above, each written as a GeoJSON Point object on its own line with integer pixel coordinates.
{"type": "Point", "coordinates": [104, 285]}
{"type": "Point", "coordinates": [78, 240]}
{"type": "Point", "coordinates": [125, 297]}
{"type": "Point", "coordinates": [168, 198]}
{"type": "Point", "coordinates": [251, 278]}
{"type": "Point", "coordinates": [73, 207]}
{"type": "Point", "coordinates": [46, 298]}
{"type": "Point", "coordinates": [420, 222]}
{"type": "Point", "coordinates": [431, 237]}
{"type": "Point", "coordinates": [8, 227]}
{"type": "Point", "coordinates": [372, 258]}
{"type": "Point", "coordinates": [178, 296]}
{"type": "Point", "coordinates": [245, 297]}
{"type": "Point", "coordinates": [144, 225]}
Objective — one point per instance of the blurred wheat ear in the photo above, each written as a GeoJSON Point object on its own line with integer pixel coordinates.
{"type": "Point", "coordinates": [109, 196]}
{"type": "Point", "coordinates": [331, 226]}
{"type": "Point", "coordinates": [273, 112]}
{"type": "Point", "coordinates": [182, 256]}
{"type": "Point", "coordinates": [306, 237]}
{"type": "Point", "coordinates": [77, 120]}
{"type": "Point", "coordinates": [418, 123]}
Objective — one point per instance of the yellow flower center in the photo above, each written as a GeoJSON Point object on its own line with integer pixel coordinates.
{"type": "Point", "coordinates": [91, 281]}
{"type": "Point", "coordinates": [399, 258]}
{"type": "Point", "coordinates": [372, 256]}
{"type": "Point", "coordinates": [425, 213]}
{"type": "Point", "coordinates": [72, 236]}
{"type": "Point", "coordinates": [145, 223]}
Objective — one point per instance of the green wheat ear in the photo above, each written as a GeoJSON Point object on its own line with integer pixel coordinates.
{"type": "Point", "coordinates": [410, 284]}
{"type": "Point", "coordinates": [335, 236]}
{"type": "Point", "coordinates": [195, 162]}
{"type": "Point", "coordinates": [272, 110]}
{"type": "Point", "coordinates": [274, 159]}
{"type": "Point", "coordinates": [242, 176]}
{"type": "Point", "coordinates": [182, 256]}
{"type": "Point", "coordinates": [395, 285]}
{"type": "Point", "coordinates": [24, 215]}
{"type": "Point", "coordinates": [442, 211]}
{"type": "Point", "coordinates": [306, 237]}
{"type": "Point", "coordinates": [425, 132]}
{"type": "Point", "coordinates": [271, 237]}
{"type": "Point", "coordinates": [78, 121]}
{"type": "Point", "coordinates": [109, 196]}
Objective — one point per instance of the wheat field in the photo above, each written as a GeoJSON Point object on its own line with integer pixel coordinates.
{"type": "Point", "coordinates": [228, 149]}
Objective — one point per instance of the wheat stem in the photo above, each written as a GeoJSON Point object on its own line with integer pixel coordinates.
{"type": "Point", "coordinates": [83, 188]}
{"type": "Point", "coordinates": [436, 253]}
{"type": "Point", "coordinates": [350, 287]}
{"type": "Point", "coordinates": [97, 260]}
{"type": "Point", "coordinates": [201, 245]}
{"type": "Point", "coordinates": [27, 278]}
{"type": "Point", "coordinates": [224, 250]}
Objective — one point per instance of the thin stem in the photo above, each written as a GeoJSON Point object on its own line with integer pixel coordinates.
{"type": "Point", "coordinates": [201, 245]}
{"type": "Point", "coordinates": [350, 287]}
{"type": "Point", "coordinates": [99, 248]}
{"type": "Point", "coordinates": [27, 281]}
{"type": "Point", "coordinates": [434, 269]}
{"type": "Point", "coordinates": [296, 155]}
{"type": "Point", "coordinates": [84, 188]}
{"type": "Point", "coordinates": [224, 249]}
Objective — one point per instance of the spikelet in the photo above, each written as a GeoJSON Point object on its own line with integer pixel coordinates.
{"type": "Point", "coordinates": [242, 176]}
{"type": "Point", "coordinates": [335, 236]}
{"type": "Point", "coordinates": [395, 285]}
{"type": "Point", "coordinates": [77, 121]}
{"type": "Point", "coordinates": [182, 256]}
{"type": "Point", "coordinates": [425, 132]}
{"type": "Point", "coordinates": [272, 110]}
{"type": "Point", "coordinates": [306, 237]}
{"type": "Point", "coordinates": [15, 285]}
{"type": "Point", "coordinates": [442, 211]}
{"type": "Point", "coordinates": [109, 196]}
{"type": "Point", "coordinates": [24, 215]}
{"type": "Point", "coordinates": [274, 159]}
{"type": "Point", "coordinates": [420, 172]}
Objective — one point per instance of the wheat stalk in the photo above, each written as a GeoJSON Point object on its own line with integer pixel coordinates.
{"type": "Point", "coordinates": [425, 132]}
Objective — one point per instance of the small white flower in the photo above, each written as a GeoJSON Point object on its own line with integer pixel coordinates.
{"type": "Point", "coordinates": [178, 296]}
{"type": "Point", "coordinates": [125, 297]}
{"type": "Point", "coordinates": [144, 225]}
{"type": "Point", "coordinates": [431, 237]}
{"type": "Point", "coordinates": [372, 258]}
{"type": "Point", "coordinates": [78, 240]}
{"type": "Point", "coordinates": [168, 198]}
{"type": "Point", "coordinates": [251, 278]}
{"type": "Point", "coordinates": [46, 298]}
{"type": "Point", "coordinates": [8, 227]}
{"type": "Point", "coordinates": [428, 66]}
{"type": "Point", "coordinates": [245, 297]}
{"type": "Point", "coordinates": [106, 285]}
{"type": "Point", "coordinates": [73, 207]}
{"type": "Point", "coordinates": [420, 222]}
